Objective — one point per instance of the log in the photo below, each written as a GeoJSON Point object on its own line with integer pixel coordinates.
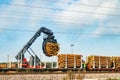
{"type": "Point", "coordinates": [69, 60]}
{"type": "Point", "coordinates": [101, 61]}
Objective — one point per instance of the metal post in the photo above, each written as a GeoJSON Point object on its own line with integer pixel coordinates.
{"type": "Point", "coordinates": [8, 61]}
{"type": "Point", "coordinates": [51, 64]}
{"type": "Point", "coordinates": [66, 61]}
{"type": "Point", "coordinates": [86, 61]}
{"type": "Point", "coordinates": [57, 62]}
{"type": "Point", "coordinates": [81, 61]}
{"type": "Point", "coordinates": [10, 64]}
{"type": "Point", "coordinates": [45, 64]}
{"type": "Point", "coordinates": [18, 61]}
{"type": "Point", "coordinates": [114, 65]}
{"type": "Point", "coordinates": [40, 62]}
{"type": "Point", "coordinates": [34, 61]}
{"type": "Point", "coordinates": [21, 61]}
{"type": "Point", "coordinates": [74, 61]}
{"type": "Point", "coordinates": [99, 63]}
{"type": "Point", "coordinates": [93, 63]}
{"type": "Point", "coordinates": [107, 62]}
{"type": "Point", "coordinates": [30, 61]}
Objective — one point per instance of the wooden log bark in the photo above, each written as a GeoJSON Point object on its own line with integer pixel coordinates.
{"type": "Point", "coordinates": [69, 60]}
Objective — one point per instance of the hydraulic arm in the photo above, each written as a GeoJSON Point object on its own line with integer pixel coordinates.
{"type": "Point", "coordinates": [50, 46]}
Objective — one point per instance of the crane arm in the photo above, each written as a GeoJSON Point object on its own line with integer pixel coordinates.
{"type": "Point", "coordinates": [31, 41]}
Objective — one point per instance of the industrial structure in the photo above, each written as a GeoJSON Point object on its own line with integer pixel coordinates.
{"type": "Point", "coordinates": [65, 62]}
{"type": "Point", "coordinates": [50, 48]}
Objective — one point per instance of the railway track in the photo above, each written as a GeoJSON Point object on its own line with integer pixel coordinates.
{"type": "Point", "coordinates": [56, 71]}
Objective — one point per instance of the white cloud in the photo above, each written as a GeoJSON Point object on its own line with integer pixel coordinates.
{"type": "Point", "coordinates": [8, 12]}
{"type": "Point", "coordinates": [103, 12]}
{"type": "Point", "coordinates": [15, 15]}
{"type": "Point", "coordinates": [77, 17]}
{"type": "Point", "coordinates": [31, 14]}
{"type": "Point", "coordinates": [102, 27]}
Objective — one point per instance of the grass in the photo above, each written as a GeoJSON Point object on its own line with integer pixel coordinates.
{"type": "Point", "coordinates": [72, 75]}
{"type": "Point", "coordinates": [112, 79]}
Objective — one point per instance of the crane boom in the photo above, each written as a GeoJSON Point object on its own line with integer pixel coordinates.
{"type": "Point", "coordinates": [50, 38]}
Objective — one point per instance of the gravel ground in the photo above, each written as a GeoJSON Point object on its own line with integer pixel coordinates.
{"type": "Point", "coordinates": [104, 76]}
{"type": "Point", "coordinates": [100, 76]}
{"type": "Point", "coordinates": [33, 77]}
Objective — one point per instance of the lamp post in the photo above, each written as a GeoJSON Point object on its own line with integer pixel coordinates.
{"type": "Point", "coordinates": [71, 48]}
{"type": "Point", "coordinates": [74, 55]}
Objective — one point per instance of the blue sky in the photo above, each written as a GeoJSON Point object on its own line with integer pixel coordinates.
{"type": "Point", "coordinates": [93, 26]}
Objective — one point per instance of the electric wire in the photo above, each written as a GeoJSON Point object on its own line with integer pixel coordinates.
{"type": "Point", "coordinates": [46, 21]}
{"type": "Point", "coordinates": [20, 20]}
{"type": "Point", "coordinates": [62, 9]}
{"type": "Point", "coordinates": [70, 18]}
{"type": "Point", "coordinates": [81, 4]}
{"type": "Point", "coordinates": [18, 30]}
{"type": "Point", "coordinates": [35, 21]}
{"type": "Point", "coordinates": [55, 17]}
{"type": "Point", "coordinates": [48, 16]}
{"type": "Point", "coordinates": [52, 22]}
{"type": "Point", "coordinates": [28, 6]}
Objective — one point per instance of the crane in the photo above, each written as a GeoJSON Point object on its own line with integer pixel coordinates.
{"type": "Point", "coordinates": [50, 47]}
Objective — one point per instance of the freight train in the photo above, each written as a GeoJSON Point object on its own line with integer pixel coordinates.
{"type": "Point", "coordinates": [75, 62]}
{"type": "Point", "coordinates": [93, 62]}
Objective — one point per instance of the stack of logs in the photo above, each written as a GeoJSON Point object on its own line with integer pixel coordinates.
{"type": "Point", "coordinates": [69, 61]}
{"type": "Point", "coordinates": [99, 61]}
{"type": "Point", "coordinates": [8, 65]}
{"type": "Point", "coordinates": [116, 61]}
{"type": "Point", "coordinates": [105, 61]}
{"type": "Point", "coordinates": [51, 49]}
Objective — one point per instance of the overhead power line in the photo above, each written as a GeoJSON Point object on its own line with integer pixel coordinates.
{"type": "Point", "coordinates": [51, 16]}
{"type": "Point", "coordinates": [18, 30]}
{"type": "Point", "coordinates": [88, 34]}
{"type": "Point", "coordinates": [62, 9]}
{"type": "Point", "coordinates": [33, 21]}
{"type": "Point", "coordinates": [70, 19]}
{"type": "Point", "coordinates": [81, 4]}
{"type": "Point", "coordinates": [47, 16]}
{"type": "Point", "coordinates": [50, 22]}
{"type": "Point", "coordinates": [74, 3]}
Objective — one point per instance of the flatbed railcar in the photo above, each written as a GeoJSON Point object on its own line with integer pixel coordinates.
{"type": "Point", "coordinates": [57, 70]}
